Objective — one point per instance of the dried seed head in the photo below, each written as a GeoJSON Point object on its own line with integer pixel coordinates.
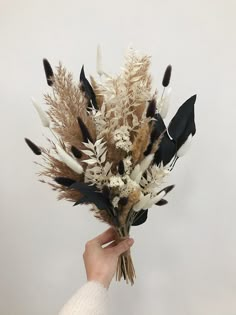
{"type": "Point", "coordinates": [48, 71]}
{"type": "Point", "coordinates": [33, 147]}
{"type": "Point", "coordinates": [167, 75]}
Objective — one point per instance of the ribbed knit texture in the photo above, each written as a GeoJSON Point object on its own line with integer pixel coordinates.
{"type": "Point", "coordinates": [90, 299]}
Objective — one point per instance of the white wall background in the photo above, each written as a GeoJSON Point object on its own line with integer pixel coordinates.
{"type": "Point", "coordinates": [184, 255]}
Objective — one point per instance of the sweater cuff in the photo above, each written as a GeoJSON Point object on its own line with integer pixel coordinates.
{"type": "Point", "coordinates": [90, 299]}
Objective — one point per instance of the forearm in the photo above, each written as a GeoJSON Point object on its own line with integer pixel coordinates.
{"type": "Point", "coordinates": [90, 299]}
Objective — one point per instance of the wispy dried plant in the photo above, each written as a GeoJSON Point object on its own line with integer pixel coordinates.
{"type": "Point", "coordinates": [111, 148]}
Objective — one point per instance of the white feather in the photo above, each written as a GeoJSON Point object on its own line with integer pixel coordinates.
{"type": "Point", "coordinates": [135, 172]}
{"type": "Point", "coordinates": [99, 61]}
{"type": "Point", "coordinates": [141, 204]}
{"type": "Point", "coordinates": [44, 118]}
{"type": "Point", "coordinates": [185, 147]}
{"type": "Point", "coordinates": [146, 162]}
{"type": "Point", "coordinates": [69, 161]}
{"type": "Point", "coordinates": [156, 199]}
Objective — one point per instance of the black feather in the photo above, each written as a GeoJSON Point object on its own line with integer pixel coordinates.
{"type": "Point", "coordinates": [140, 217]}
{"type": "Point", "coordinates": [87, 88]}
{"type": "Point", "coordinates": [167, 76]}
{"type": "Point", "coordinates": [151, 110]}
{"type": "Point", "coordinates": [85, 132]}
{"type": "Point", "coordinates": [48, 71]}
{"type": "Point", "coordinates": [64, 181]}
{"type": "Point", "coordinates": [162, 202]}
{"type": "Point", "coordinates": [33, 147]}
{"type": "Point", "coordinates": [121, 167]}
{"type": "Point", "coordinates": [76, 152]}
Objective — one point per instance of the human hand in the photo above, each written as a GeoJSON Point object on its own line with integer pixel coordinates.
{"type": "Point", "coordinates": [100, 263]}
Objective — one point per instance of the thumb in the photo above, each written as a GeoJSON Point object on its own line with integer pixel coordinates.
{"type": "Point", "coordinates": [123, 246]}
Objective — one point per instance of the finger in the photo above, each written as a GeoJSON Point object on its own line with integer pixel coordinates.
{"type": "Point", "coordinates": [123, 246]}
{"type": "Point", "coordinates": [105, 237]}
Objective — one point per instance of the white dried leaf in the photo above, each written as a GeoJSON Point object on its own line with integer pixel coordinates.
{"type": "Point", "coordinates": [90, 161]}
{"type": "Point", "coordinates": [103, 157]}
{"type": "Point", "coordinates": [89, 145]}
{"type": "Point", "coordinates": [88, 152]}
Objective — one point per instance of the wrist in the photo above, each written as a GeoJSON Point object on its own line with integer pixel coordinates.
{"type": "Point", "coordinates": [101, 280]}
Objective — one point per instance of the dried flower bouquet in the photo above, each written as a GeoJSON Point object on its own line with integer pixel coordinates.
{"type": "Point", "coordinates": [111, 147]}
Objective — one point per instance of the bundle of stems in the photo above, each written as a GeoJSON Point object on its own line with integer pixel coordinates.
{"type": "Point", "coordinates": [125, 267]}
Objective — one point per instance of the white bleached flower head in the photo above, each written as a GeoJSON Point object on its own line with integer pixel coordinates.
{"type": "Point", "coordinates": [115, 181]}
{"type": "Point", "coordinates": [122, 139]}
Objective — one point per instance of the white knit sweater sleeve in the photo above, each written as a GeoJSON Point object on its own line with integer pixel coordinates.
{"type": "Point", "coordinates": [90, 299]}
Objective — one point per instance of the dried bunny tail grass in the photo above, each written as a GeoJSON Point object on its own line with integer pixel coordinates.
{"type": "Point", "coordinates": [140, 142]}
{"type": "Point", "coordinates": [66, 103]}
{"type": "Point", "coordinates": [132, 199]}
{"type": "Point", "coordinates": [97, 91]}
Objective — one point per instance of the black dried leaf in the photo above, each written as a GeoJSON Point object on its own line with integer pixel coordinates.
{"type": "Point", "coordinates": [167, 76]}
{"type": "Point", "coordinates": [162, 202]}
{"type": "Point", "coordinates": [123, 201]}
{"type": "Point", "coordinates": [76, 152]}
{"type": "Point", "coordinates": [121, 167]}
{"type": "Point", "coordinates": [140, 217]}
{"type": "Point", "coordinates": [106, 191]}
{"type": "Point", "coordinates": [64, 181]}
{"type": "Point", "coordinates": [183, 121]}
{"type": "Point", "coordinates": [85, 132]}
{"type": "Point", "coordinates": [33, 147]}
{"type": "Point", "coordinates": [81, 201]}
{"type": "Point", "coordinates": [93, 196]}
{"type": "Point", "coordinates": [151, 110]}
{"type": "Point", "coordinates": [48, 71]}
{"type": "Point", "coordinates": [87, 88]}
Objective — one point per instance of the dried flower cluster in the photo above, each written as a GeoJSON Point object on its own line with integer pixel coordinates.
{"type": "Point", "coordinates": [111, 147]}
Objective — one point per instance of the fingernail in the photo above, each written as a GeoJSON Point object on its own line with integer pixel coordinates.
{"type": "Point", "coordinates": [130, 241]}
